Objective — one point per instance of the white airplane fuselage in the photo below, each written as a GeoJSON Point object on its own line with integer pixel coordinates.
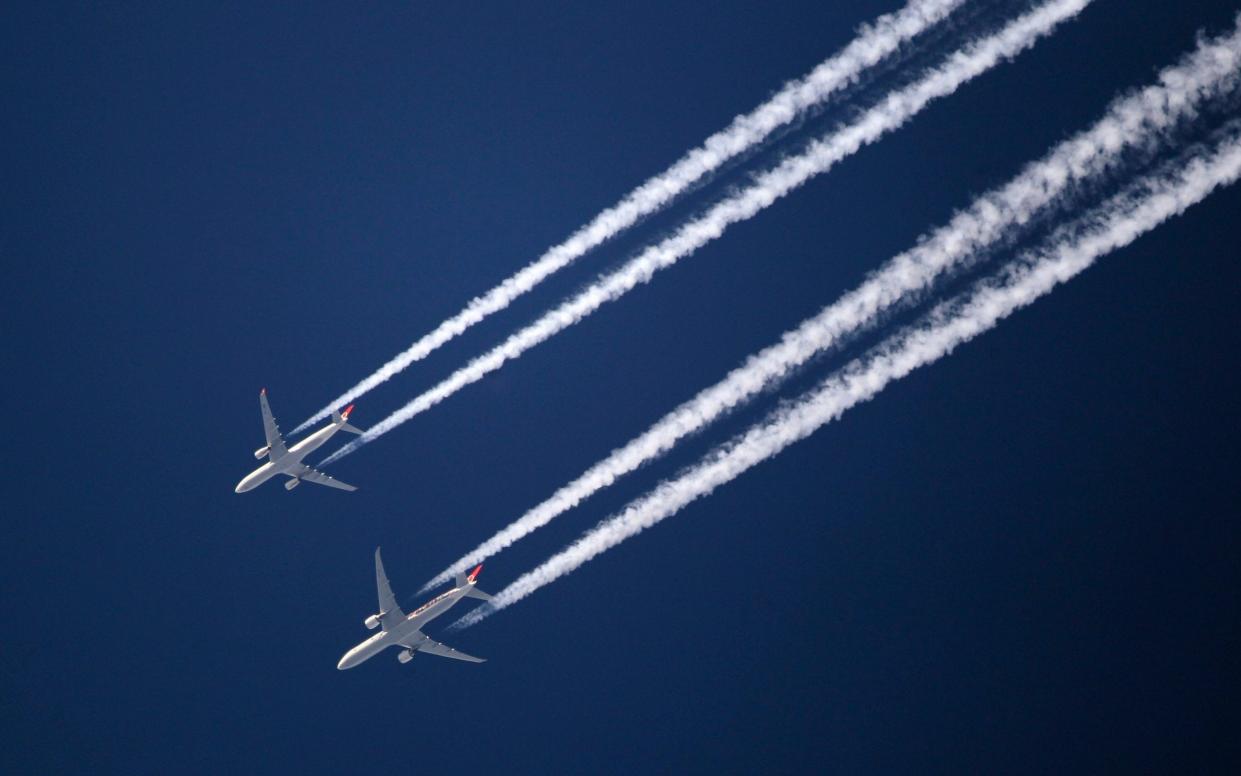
{"type": "Point", "coordinates": [400, 636]}
{"type": "Point", "coordinates": [289, 460]}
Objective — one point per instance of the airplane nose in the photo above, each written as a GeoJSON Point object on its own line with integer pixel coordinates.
{"type": "Point", "coordinates": [344, 663]}
{"type": "Point", "coordinates": [246, 484]}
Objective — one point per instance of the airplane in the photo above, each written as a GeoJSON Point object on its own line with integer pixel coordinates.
{"type": "Point", "coordinates": [286, 460]}
{"type": "Point", "coordinates": [397, 629]}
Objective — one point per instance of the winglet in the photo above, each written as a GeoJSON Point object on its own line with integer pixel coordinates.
{"type": "Point", "coordinates": [473, 574]}
{"type": "Point", "coordinates": [348, 410]}
{"type": "Point", "coordinates": [262, 392]}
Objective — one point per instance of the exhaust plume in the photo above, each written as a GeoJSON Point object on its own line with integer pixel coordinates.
{"type": "Point", "coordinates": [1141, 119]}
{"type": "Point", "coordinates": [891, 113]}
{"type": "Point", "coordinates": [874, 42]}
{"type": "Point", "coordinates": [1117, 223]}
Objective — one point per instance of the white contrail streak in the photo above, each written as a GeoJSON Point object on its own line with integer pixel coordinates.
{"type": "Point", "coordinates": [1114, 225]}
{"type": "Point", "coordinates": [874, 42]}
{"type": "Point", "coordinates": [1140, 119]}
{"type": "Point", "coordinates": [892, 112]}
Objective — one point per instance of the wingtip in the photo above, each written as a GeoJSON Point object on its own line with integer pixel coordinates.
{"type": "Point", "coordinates": [262, 392]}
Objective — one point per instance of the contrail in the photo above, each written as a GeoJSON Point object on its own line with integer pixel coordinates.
{"type": "Point", "coordinates": [1067, 253]}
{"type": "Point", "coordinates": [892, 112]}
{"type": "Point", "coordinates": [874, 42]}
{"type": "Point", "coordinates": [1140, 119]}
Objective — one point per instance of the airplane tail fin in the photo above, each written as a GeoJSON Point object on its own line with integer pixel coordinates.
{"type": "Point", "coordinates": [467, 581]}
{"type": "Point", "coordinates": [342, 419]}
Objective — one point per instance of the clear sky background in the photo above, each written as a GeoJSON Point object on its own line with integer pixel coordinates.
{"type": "Point", "coordinates": [1022, 559]}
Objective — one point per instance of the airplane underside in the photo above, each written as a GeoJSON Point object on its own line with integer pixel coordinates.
{"type": "Point", "coordinates": [288, 461]}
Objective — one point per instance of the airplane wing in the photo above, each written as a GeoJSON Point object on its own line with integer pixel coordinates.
{"type": "Point", "coordinates": [305, 472]}
{"type": "Point", "coordinates": [443, 650]}
{"type": "Point", "coordinates": [270, 429]}
{"type": "Point", "coordinates": [390, 613]}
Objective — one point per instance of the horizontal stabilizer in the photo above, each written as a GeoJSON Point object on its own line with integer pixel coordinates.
{"type": "Point", "coordinates": [341, 419]}
{"type": "Point", "coordinates": [476, 593]}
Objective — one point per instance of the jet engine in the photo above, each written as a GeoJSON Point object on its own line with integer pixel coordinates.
{"type": "Point", "coordinates": [291, 484]}
{"type": "Point", "coordinates": [371, 622]}
{"type": "Point", "coordinates": [262, 451]}
{"type": "Point", "coordinates": [405, 656]}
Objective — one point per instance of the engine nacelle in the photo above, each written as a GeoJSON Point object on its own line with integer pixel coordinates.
{"type": "Point", "coordinates": [291, 484]}
{"type": "Point", "coordinates": [262, 451]}
{"type": "Point", "coordinates": [371, 622]}
{"type": "Point", "coordinates": [405, 656]}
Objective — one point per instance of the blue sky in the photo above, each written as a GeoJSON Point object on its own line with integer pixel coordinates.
{"type": "Point", "coordinates": [1020, 559]}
